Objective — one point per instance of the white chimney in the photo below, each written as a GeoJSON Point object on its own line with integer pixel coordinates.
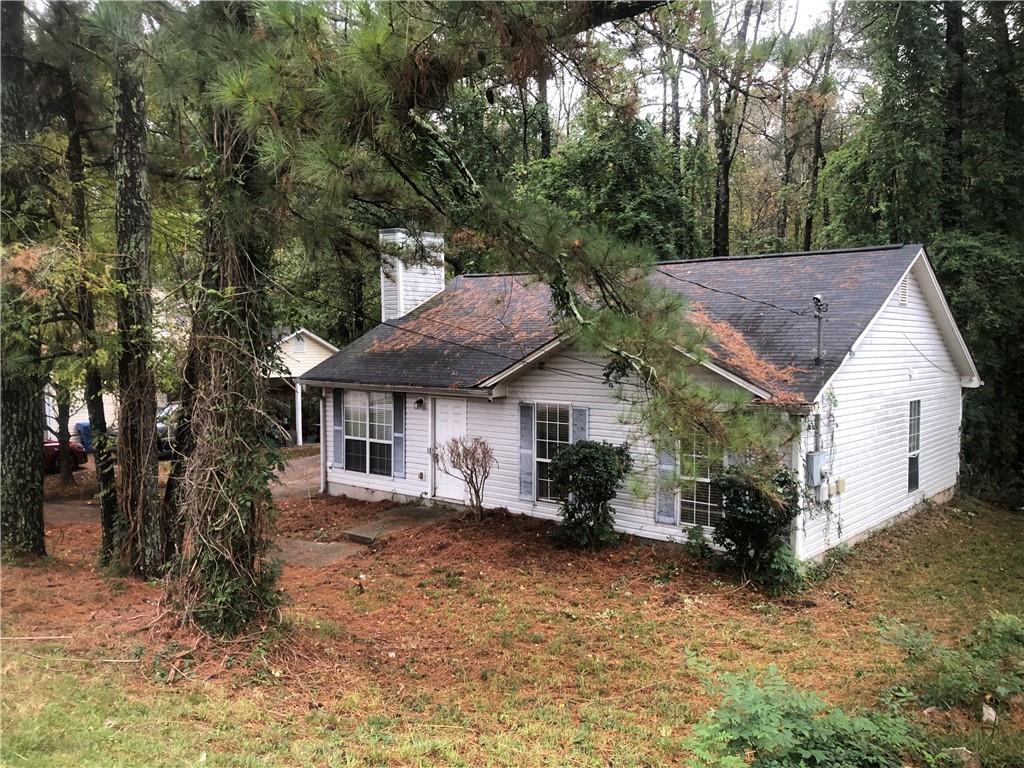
{"type": "Point", "coordinates": [404, 286]}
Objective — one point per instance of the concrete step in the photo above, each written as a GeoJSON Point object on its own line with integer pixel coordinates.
{"type": "Point", "coordinates": [394, 520]}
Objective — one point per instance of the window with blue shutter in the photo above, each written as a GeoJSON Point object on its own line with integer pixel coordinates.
{"type": "Point", "coordinates": [398, 435]}
{"type": "Point", "coordinates": [580, 423]}
{"type": "Point", "coordinates": [338, 409]}
{"type": "Point", "coordinates": [526, 451]}
{"type": "Point", "coordinates": [665, 497]}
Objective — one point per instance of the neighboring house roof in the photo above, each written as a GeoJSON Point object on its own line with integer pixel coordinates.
{"type": "Point", "coordinates": [282, 333]}
{"type": "Point", "coordinates": [759, 310]}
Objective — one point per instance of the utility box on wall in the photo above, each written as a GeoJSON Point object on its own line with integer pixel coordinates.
{"type": "Point", "coordinates": [814, 465]}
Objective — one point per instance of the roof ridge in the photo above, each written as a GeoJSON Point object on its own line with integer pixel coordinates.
{"type": "Point", "coordinates": [786, 254]}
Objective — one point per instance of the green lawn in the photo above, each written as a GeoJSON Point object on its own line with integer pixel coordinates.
{"type": "Point", "coordinates": [479, 644]}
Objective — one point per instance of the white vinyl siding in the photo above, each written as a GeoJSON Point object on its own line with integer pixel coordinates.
{"type": "Point", "coordinates": [903, 357]}
{"type": "Point", "coordinates": [301, 353]}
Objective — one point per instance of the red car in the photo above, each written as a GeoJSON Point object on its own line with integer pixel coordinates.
{"type": "Point", "coordinates": [51, 452]}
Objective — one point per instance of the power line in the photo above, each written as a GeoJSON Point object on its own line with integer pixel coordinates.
{"type": "Point", "coordinates": [732, 293]}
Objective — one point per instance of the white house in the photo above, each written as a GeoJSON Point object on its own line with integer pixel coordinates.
{"type": "Point", "coordinates": [877, 400]}
{"type": "Point", "coordinates": [298, 350]}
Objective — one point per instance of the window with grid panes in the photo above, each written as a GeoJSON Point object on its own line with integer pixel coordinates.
{"type": "Point", "coordinates": [700, 501]}
{"type": "Point", "coordinates": [369, 425]}
{"type": "Point", "coordinates": [552, 435]}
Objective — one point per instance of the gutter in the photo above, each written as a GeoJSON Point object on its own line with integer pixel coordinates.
{"type": "Point", "coordinates": [488, 393]}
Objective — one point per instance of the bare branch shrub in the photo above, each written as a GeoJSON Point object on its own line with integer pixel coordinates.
{"type": "Point", "coordinates": [473, 459]}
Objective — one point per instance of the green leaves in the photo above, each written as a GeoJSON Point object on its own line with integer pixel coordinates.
{"type": "Point", "coordinates": [763, 722]}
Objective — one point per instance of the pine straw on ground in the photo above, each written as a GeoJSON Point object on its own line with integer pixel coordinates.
{"type": "Point", "coordinates": [484, 616]}
{"type": "Point", "coordinates": [324, 518]}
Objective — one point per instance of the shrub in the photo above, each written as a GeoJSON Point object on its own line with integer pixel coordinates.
{"type": "Point", "coordinates": [771, 724]}
{"type": "Point", "coordinates": [696, 543]}
{"type": "Point", "coordinates": [759, 505]}
{"type": "Point", "coordinates": [988, 666]}
{"type": "Point", "coordinates": [784, 574]}
{"type": "Point", "coordinates": [587, 475]}
{"type": "Point", "coordinates": [473, 459]}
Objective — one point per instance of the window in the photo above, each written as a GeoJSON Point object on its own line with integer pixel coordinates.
{"type": "Point", "coordinates": [552, 435]}
{"type": "Point", "coordinates": [700, 501]}
{"type": "Point", "coordinates": [914, 447]}
{"type": "Point", "coordinates": [369, 426]}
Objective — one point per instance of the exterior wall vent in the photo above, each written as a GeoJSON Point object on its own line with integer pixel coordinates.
{"type": "Point", "coordinates": [404, 285]}
{"type": "Point", "coordinates": [903, 293]}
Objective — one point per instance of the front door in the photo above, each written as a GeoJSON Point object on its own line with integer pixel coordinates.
{"type": "Point", "coordinates": [449, 422]}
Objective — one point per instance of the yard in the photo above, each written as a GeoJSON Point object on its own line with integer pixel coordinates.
{"type": "Point", "coordinates": [470, 643]}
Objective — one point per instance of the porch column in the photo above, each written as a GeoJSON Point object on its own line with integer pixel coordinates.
{"type": "Point", "coordinates": [298, 413]}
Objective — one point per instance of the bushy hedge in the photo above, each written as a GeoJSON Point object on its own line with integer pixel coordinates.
{"type": "Point", "coordinates": [759, 506]}
{"type": "Point", "coordinates": [586, 476]}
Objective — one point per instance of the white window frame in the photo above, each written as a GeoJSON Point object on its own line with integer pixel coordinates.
{"type": "Point", "coordinates": [914, 444]}
{"type": "Point", "coordinates": [687, 461]}
{"type": "Point", "coordinates": [351, 396]}
{"type": "Point", "coordinates": [536, 444]}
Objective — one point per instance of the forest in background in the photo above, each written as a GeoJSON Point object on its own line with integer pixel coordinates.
{"type": "Point", "coordinates": [231, 164]}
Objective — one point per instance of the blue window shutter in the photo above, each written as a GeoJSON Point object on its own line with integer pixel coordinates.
{"type": "Point", "coordinates": [665, 500]}
{"type": "Point", "coordinates": [339, 428]}
{"type": "Point", "coordinates": [526, 451]}
{"type": "Point", "coordinates": [398, 436]}
{"type": "Point", "coordinates": [580, 424]}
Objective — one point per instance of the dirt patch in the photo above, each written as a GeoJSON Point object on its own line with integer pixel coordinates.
{"type": "Point", "coordinates": [325, 518]}
{"type": "Point", "coordinates": [83, 487]}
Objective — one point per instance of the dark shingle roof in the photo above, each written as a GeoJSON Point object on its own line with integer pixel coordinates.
{"type": "Point", "coordinates": [474, 329]}
{"type": "Point", "coordinates": [758, 309]}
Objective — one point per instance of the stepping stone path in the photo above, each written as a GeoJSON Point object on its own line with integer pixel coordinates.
{"type": "Point", "coordinates": [318, 554]}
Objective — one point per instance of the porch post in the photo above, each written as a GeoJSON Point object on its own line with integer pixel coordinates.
{"type": "Point", "coordinates": [298, 413]}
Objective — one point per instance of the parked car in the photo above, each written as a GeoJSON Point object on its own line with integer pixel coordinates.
{"type": "Point", "coordinates": [166, 421]}
{"type": "Point", "coordinates": [51, 456]}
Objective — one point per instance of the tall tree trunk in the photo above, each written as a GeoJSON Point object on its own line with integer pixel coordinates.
{"type": "Point", "coordinates": [544, 112]}
{"type": "Point", "coordinates": [223, 579]}
{"type": "Point", "coordinates": [953, 165]}
{"type": "Point", "coordinates": [21, 386]}
{"type": "Point", "coordinates": [94, 386]}
{"type": "Point", "coordinates": [675, 124]}
{"type": "Point", "coordinates": [817, 148]}
{"type": "Point", "coordinates": [145, 540]}
{"type": "Point", "coordinates": [64, 460]}
{"type": "Point", "coordinates": [728, 121]}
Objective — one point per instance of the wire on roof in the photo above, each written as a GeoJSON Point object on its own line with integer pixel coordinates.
{"type": "Point", "coordinates": [732, 293]}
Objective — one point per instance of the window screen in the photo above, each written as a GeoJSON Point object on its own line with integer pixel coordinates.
{"type": "Point", "coordinates": [700, 501]}
{"type": "Point", "coordinates": [369, 431]}
{"type": "Point", "coordinates": [552, 436]}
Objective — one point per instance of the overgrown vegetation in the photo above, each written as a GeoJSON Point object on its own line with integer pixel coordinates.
{"type": "Point", "coordinates": [759, 504]}
{"type": "Point", "coordinates": [987, 667]}
{"type": "Point", "coordinates": [586, 476]}
{"type": "Point", "coordinates": [763, 722]}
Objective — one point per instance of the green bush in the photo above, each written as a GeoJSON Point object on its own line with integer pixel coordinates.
{"type": "Point", "coordinates": [768, 723]}
{"type": "Point", "coordinates": [784, 574]}
{"type": "Point", "coordinates": [587, 474]}
{"type": "Point", "coordinates": [759, 505]}
{"type": "Point", "coordinates": [987, 666]}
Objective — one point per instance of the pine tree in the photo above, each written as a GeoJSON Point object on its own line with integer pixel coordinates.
{"type": "Point", "coordinates": [21, 385]}
{"type": "Point", "coordinates": [144, 544]}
